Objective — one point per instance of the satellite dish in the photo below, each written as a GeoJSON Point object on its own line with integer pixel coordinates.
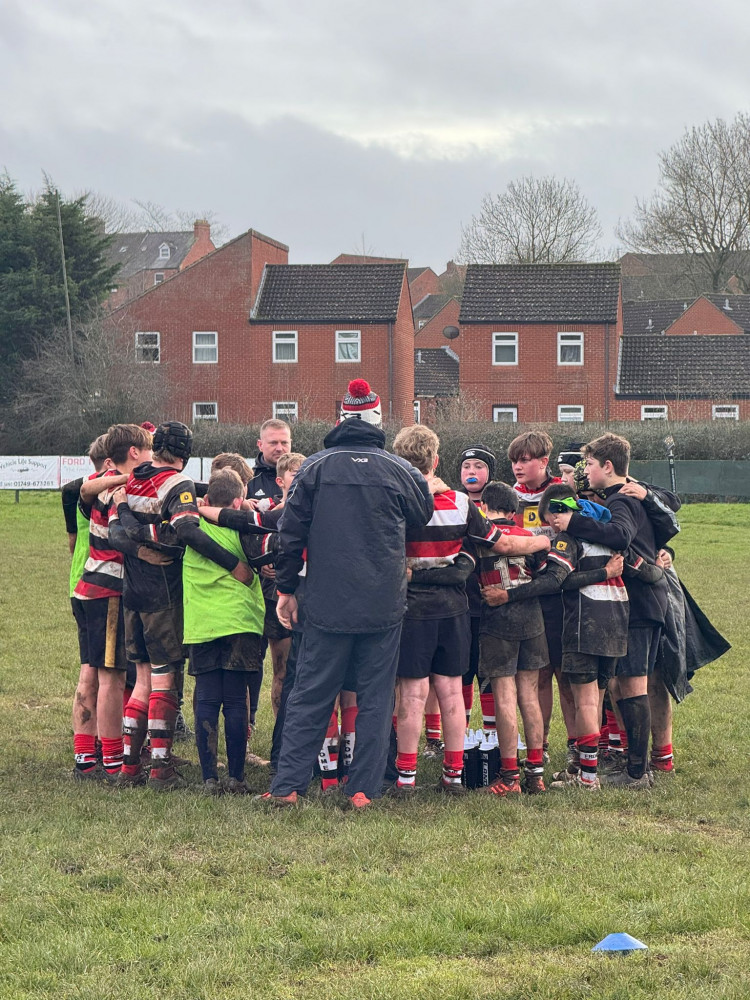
{"type": "Point", "coordinates": [450, 332]}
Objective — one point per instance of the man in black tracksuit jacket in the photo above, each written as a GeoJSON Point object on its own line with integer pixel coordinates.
{"type": "Point", "coordinates": [348, 510]}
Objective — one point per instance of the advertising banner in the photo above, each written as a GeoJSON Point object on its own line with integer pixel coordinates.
{"type": "Point", "coordinates": [36, 472]}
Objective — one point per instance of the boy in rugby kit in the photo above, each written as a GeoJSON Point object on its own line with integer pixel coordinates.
{"type": "Point", "coordinates": [99, 590]}
{"type": "Point", "coordinates": [476, 468]}
{"type": "Point", "coordinates": [436, 637]}
{"type": "Point", "coordinates": [159, 508]}
{"type": "Point", "coordinates": [84, 701]}
{"type": "Point", "coordinates": [223, 633]}
{"type": "Point", "coordinates": [512, 646]}
{"type": "Point", "coordinates": [529, 454]}
{"type": "Point", "coordinates": [607, 460]}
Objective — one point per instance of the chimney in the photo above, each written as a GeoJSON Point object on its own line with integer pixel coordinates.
{"type": "Point", "coordinates": [202, 230]}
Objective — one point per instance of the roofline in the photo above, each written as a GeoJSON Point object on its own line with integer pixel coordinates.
{"type": "Point", "coordinates": [681, 395]}
{"type": "Point", "coordinates": [197, 263]}
{"type": "Point", "coordinates": [269, 321]}
{"type": "Point", "coordinates": [713, 305]}
{"type": "Point", "coordinates": [536, 322]}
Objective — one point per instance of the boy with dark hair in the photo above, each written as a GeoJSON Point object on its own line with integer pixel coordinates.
{"type": "Point", "coordinates": [223, 632]}
{"type": "Point", "coordinates": [607, 460]}
{"type": "Point", "coordinates": [99, 590]}
{"type": "Point", "coordinates": [512, 647]}
{"type": "Point", "coordinates": [476, 468]}
{"type": "Point", "coordinates": [529, 454]}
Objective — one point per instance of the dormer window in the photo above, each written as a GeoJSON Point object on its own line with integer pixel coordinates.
{"type": "Point", "coordinates": [164, 252]}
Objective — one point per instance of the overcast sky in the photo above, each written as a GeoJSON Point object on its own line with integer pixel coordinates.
{"type": "Point", "coordinates": [325, 124]}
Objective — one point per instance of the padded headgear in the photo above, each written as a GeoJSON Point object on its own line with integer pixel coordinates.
{"type": "Point", "coordinates": [174, 437]}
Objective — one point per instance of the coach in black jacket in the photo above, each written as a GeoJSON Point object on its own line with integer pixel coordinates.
{"type": "Point", "coordinates": [349, 508]}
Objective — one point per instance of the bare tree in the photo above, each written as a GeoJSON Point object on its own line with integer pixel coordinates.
{"type": "Point", "coordinates": [535, 220]}
{"type": "Point", "coordinates": [65, 399]}
{"type": "Point", "coordinates": [702, 206]}
{"type": "Point", "coordinates": [136, 216]}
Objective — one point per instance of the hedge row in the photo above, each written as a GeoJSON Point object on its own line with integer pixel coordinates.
{"type": "Point", "coordinates": [721, 439]}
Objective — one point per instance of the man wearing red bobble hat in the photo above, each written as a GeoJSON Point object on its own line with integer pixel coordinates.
{"type": "Point", "coordinates": [347, 511]}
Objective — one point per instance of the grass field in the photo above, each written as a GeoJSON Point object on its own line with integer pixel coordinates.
{"type": "Point", "coordinates": [132, 895]}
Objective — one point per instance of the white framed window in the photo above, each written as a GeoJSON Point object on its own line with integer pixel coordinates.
{"type": "Point", "coordinates": [569, 348]}
{"type": "Point", "coordinates": [205, 348]}
{"type": "Point", "coordinates": [421, 323]}
{"type": "Point", "coordinates": [284, 346]}
{"type": "Point", "coordinates": [164, 252]}
{"type": "Point", "coordinates": [570, 414]}
{"type": "Point", "coordinates": [417, 411]}
{"type": "Point", "coordinates": [505, 414]}
{"type": "Point", "coordinates": [725, 412]}
{"type": "Point", "coordinates": [504, 348]}
{"type": "Point", "coordinates": [654, 412]}
{"type": "Point", "coordinates": [285, 410]}
{"type": "Point", "coordinates": [148, 347]}
{"type": "Point", "coordinates": [348, 345]}
{"type": "Point", "coordinates": [158, 277]}
{"type": "Point", "coordinates": [205, 411]}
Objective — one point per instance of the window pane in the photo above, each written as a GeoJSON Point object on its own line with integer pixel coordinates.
{"type": "Point", "coordinates": [286, 352]}
{"type": "Point", "coordinates": [570, 354]}
{"type": "Point", "coordinates": [348, 352]}
{"type": "Point", "coordinates": [505, 353]}
{"type": "Point", "coordinates": [205, 354]}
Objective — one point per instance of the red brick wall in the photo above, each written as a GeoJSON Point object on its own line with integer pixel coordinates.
{"type": "Point", "coordinates": [677, 409]}
{"type": "Point", "coordinates": [316, 381]}
{"type": "Point", "coordinates": [424, 284]}
{"type": "Point", "coordinates": [537, 385]}
{"type": "Point", "coordinates": [703, 317]}
{"type": "Point", "coordinates": [215, 294]}
{"type": "Point", "coordinates": [139, 283]}
{"type": "Point", "coordinates": [431, 334]}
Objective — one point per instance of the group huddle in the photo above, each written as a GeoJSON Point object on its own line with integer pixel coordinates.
{"type": "Point", "coordinates": [381, 594]}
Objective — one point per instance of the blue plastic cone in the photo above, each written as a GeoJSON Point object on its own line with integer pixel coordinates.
{"type": "Point", "coordinates": [621, 943]}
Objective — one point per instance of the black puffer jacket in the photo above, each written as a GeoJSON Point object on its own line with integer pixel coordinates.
{"type": "Point", "coordinates": [349, 508]}
{"type": "Point", "coordinates": [263, 484]}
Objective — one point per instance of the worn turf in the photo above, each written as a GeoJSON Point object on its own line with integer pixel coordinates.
{"type": "Point", "coordinates": [132, 895]}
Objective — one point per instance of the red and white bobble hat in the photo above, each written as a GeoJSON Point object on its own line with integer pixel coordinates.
{"type": "Point", "coordinates": [361, 402]}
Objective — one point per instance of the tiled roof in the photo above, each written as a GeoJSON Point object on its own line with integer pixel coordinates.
{"type": "Point", "coordinates": [541, 293]}
{"type": "Point", "coordinates": [647, 317]}
{"type": "Point", "coordinates": [134, 252]}
{"type": "Point", "coordinates": [651, 317]}
{"type": "Point", "coordinates": [414, 272]}
{"type": "Point", "coordinates": [435, 372]}
{"type": "Point", "coordinates": [430, 306]}
{"type": "Point", "coordinates": [654, 276]}
{"type": "Point", "coordinates": [329, 293]}
{"type": "Point", "coordinates": [704, 367]}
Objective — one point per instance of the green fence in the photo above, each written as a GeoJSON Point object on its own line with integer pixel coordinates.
{"type": "Point", "coordinates": [707, 480]}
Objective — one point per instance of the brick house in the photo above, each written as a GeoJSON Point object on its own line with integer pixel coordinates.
{"type": "Point", "coordinates": [431, 317]}
{"type": "Point", "coordinates": [685, 361]}
{"type": "Point", "coordinates": [539, 342]}
{"type": "Point", "coordinates": [316, 327]}
{"type": "Point", "coordinates": [435, 381]}
{"type": "Point", "coordinates": [148, 259]}
{"type": "Point", "coordinates": [197, 324]}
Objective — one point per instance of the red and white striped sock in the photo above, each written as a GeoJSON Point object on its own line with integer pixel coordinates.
{"type": "Point", "coordinates": [134, 729]}
{"type": "Point", "coordinates": [84, 748]}
{"type": "Point", "coordinates": [588, 753]}
{"type": "Point", "coordinates": [328, 758]}
{"type": "Point", "coordinates": [453, 765]}
{"type": "Point", "coordinates": [348, 734]}
{"type": "Point", "coordinates": [162, 714]}
{"type": "Point", "coordinates": [662, 758]}
{"type": "Point", "coordinates": [112, 755]}
{"type": "Point", "coordinates": [432, 726]}
{"type": "Point", "coordinates": [406, 765]}
{"type": "Point", "coordinates": [487, 700]}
